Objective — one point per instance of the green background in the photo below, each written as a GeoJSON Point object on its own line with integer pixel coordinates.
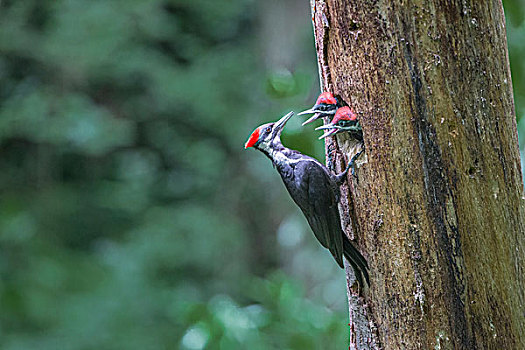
{"type": "Point", "coordinates": [131, 217]}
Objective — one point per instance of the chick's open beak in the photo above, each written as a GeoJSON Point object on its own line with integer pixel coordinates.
{"type": "Point", "coordinates": [316, 114]}
{"type": "Point", "coordinates": [330, 130]}
{"type": "Point", "coordinates": [308, 111]}
{"type": "Point", "coordinates": [312, 118]}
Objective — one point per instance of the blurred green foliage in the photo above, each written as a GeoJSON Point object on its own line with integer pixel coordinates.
{"type": "Point", "coordinates": [130, 215]}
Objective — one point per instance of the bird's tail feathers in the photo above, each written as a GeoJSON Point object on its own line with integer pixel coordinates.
{"type": "Point", "coordinates": [357, 261]}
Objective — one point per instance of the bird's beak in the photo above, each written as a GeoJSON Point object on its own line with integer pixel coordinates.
{"type": "Point", "coordinates": [331, 129]}
{"type": "Point", "coordinates": [279, 125]}
{"type": "Point", "coordinates": [326, 126]}
{"type": "Point", "coordinates": [308, 111]}
{"type": "Point", "coordinates": [312, 118]}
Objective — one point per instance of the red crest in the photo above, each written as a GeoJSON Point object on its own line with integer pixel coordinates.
{"type": "Point", "coordinates": [254, 137]}
{"type": "Point", "coordinates": [344, 113]}
{"type": "Point", "coordinates": [326, 98]}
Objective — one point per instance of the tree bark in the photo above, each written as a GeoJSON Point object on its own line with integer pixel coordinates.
{"type": "Point", "coordinates": [438, 208]}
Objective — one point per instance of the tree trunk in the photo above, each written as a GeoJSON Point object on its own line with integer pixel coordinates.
{"type": "Point", "coordinates": [438, 208]}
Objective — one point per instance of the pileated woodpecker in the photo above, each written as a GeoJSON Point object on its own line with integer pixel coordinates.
{"type": "Point", "coordinates": [345, 120]}
{"type": "Point", "coordinates": [326, 105]}
{"type": "Point", "coordinates": [314, 189]}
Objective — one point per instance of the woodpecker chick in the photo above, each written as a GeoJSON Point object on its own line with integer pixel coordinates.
{"type": "Point", "coordinates": [345, 120]}
{"type": "Point", "coordinates": [326, 105]}
{"type": "Point", "coordinates": [314, 189]}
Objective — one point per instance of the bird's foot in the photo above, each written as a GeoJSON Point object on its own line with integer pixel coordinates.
{"type": "Point", "coordinates": [340, 178]}
{"type": "Point", "coordinates": [352, 164]}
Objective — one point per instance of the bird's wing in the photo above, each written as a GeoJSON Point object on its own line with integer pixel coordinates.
{"type": "Point", "coordinates": [320, 206]}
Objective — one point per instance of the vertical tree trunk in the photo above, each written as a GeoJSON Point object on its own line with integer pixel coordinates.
{"type": "Point", "coordinates": [438, 209]}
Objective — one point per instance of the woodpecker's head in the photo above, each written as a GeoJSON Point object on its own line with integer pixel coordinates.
{"type": "Point", "coordinates": [344, 120]}
{"type": "Point", "coordinates": [325, 105]}
{"type": "Point", "coordinates": [266, 135]}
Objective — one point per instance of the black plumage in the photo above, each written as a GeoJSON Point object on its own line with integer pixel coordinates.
{"type": "Point", "coordinates": [316, 192]}
{"type": "Point", "coordinates": [314, 189]}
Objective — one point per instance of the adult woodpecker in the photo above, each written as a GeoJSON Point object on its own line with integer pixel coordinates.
{"type": "Point", "coordinates": [314, 189]}
{"type": "Point", "coordinates": [345, 120]}
{"type": "Point", "coordinates": [325, 106]}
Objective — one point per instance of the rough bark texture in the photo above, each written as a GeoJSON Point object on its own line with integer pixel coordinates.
{"type": "Point", "coordinates": [438, 210]}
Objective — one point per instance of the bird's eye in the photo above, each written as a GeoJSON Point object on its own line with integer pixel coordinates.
{"type": "Point", "coordinates": [341, 123]}
{"type": "Point", "coordinates": [268, 129]}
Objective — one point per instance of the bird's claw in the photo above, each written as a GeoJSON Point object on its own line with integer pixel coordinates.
{"type": "Point", "coordinates": [353, 172]}
{"type": "Point", "coordinates": [352, 165]}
